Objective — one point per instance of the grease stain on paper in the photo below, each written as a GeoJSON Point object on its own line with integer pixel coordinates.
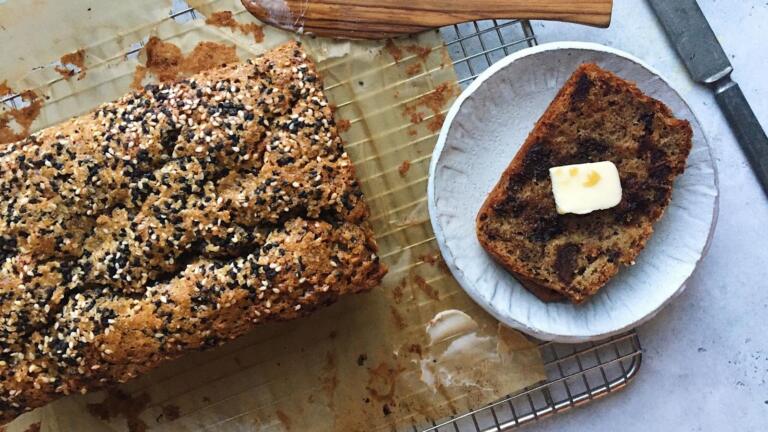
{"type": "Point", "coordinates": [417, 216]}
{"type": "Point", "coordinates": [455, 350]}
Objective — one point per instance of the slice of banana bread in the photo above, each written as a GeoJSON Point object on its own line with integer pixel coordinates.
{"type": "Point", "coordinates": [596, 116]}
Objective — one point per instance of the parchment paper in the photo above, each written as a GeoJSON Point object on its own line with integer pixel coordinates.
{"type": "Point", "coordinates": [413, 349]}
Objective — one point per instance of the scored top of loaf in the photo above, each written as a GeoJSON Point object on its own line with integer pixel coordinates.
{"type": "Point", "coordinates": [175, 218]}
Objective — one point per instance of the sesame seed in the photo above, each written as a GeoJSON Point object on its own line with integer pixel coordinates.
{"type": "Point", "coordinates": [171, 165]}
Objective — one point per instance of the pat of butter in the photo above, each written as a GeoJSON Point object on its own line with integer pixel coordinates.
{"type": "Point", "coordinates": [584, 188]}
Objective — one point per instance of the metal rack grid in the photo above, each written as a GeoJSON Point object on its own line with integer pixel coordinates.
{"type": "Point", "coordinates": [576, 373]}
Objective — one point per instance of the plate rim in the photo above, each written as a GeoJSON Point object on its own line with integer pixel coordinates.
{"type": "Point", "coordinates": [440, 235]}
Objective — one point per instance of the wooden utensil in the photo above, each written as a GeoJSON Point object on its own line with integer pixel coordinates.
{"type": "Point", "coordinates": [378, 19]}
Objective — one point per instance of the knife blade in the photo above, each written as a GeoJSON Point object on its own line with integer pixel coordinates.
{"type": "Point", "coordinates": [703, 56]}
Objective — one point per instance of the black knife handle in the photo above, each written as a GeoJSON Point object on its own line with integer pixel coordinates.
{"type": "Point", "coordinates": [745, 126]}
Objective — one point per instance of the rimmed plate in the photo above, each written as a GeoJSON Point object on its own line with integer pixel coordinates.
{"type": "Point", "coordinates": [481, 134]}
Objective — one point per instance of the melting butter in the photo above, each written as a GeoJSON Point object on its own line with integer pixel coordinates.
{"type": "Point", "coordinates": [584, 188]}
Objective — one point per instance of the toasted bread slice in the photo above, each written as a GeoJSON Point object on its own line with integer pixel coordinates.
{"type": "Point", "coordinates": [596, 116]}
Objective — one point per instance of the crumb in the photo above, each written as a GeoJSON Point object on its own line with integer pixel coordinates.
{"type": "Point", "coordinates": [417, 117]}
{"type": "Point", "coordinates": [386, 410]}
{"type": "Point", "coordinates": [5, 89]}
{"type": "Point", "coordinates": [34, 427]}
{"type": "Point", "coordinates": [436, 122]}
{"type": "Point", "coordinates": [76, 61]}
{"type": "Point", "coordinates": [361, 359]}
{"type": "Point", "coordinates": [404, 167]}
{"type": "Point", "coordinates": [431, 258]}
{"type": "Point", "coordinates": [343, 125]}
{"type": "Point", "coordinates": [166, 61]}
{"type": "Point", "coordinates": [411, 132]}
{"type": "Point", "coordinates": [420, 51]}
{"type": "Point", "coordinates": [415, 349]}
{"type": "Point", "coordinates": [227, 20]}
{"type": "Point", "coordinates": [434, 101]}
{"type": "Point", "coordinates": [22, 118]}
{"type": "Point", "coordinates": [395, 51]}
{"type": "Point", "coordinates": [138, 76]}
{"type": "Point", "coordinates": [413, 69]}
{"type": "Point", "coordinates": [426, 288]}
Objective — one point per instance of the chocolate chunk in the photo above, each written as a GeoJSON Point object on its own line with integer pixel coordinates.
{"type": "Point", "coordinates": [566, 262]}
{"type": "Point", "coordinates": [591, 150]}
{"type": "Point", "coordinates": [581, 90]}
{"type": "Point", "coordinates": [537, 162]}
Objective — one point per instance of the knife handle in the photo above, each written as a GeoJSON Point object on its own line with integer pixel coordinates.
{"type": "Point", "coordinates": [745, 126]}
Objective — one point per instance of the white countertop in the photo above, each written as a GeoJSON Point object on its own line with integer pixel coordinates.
{"type": "Point", "coordinates": [705, 361]}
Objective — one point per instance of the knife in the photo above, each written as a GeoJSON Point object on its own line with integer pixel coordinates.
{"type": "Point", "coordinates": [698, 47]}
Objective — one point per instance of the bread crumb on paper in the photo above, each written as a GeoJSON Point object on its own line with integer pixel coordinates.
{"type": "Point", "coordinates": [343, 125]}
{"type": "Point", "coordinates": [227, 20]}
{"type": "Point", "coordinates": [71, 64]}
{"type": "Point", "coordinates": [15, 124]}
{"type": "Point", "coordinates": [413, 69]}
{"type": "Point", "coordinates": [167, 63]}
{"type": "Point", "coordinates": [404, 167]}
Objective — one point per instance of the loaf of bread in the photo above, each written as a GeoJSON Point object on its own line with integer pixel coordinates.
{"type": "Point", "coordinates": [173, 219]}
{"type": "Point", "coordinates": [596, 116]}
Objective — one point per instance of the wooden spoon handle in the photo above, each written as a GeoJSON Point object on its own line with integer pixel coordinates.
{"type": "Point", "coordinates": [378, 19]}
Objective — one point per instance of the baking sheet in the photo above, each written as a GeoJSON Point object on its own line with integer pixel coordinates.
{"type": "Point", "coordinates": [415, 348]}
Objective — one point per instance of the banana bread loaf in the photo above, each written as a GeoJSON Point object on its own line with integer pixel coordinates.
{"type": "Point", "coordinates": [596, 116]}
{"type": "Point", "coordinates": [173, 219]}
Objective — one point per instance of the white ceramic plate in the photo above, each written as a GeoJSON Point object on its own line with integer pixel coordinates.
{"type": "Point", "coordinates": [483, 131]}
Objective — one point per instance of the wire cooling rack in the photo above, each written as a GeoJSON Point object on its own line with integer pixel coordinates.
{"type": "Point", "coordinates": [576, 373]}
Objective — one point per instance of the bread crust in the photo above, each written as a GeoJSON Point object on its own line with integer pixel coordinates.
{"type": "Point", "coordinates": [174, 219]}
{"type": "Point", "coordinates": [651, 151]}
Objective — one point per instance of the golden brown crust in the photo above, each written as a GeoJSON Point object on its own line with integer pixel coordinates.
{"type": "Point", "coordinates": [174, 219]}
{"type": "Point", "coordinates": [595, 116]}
